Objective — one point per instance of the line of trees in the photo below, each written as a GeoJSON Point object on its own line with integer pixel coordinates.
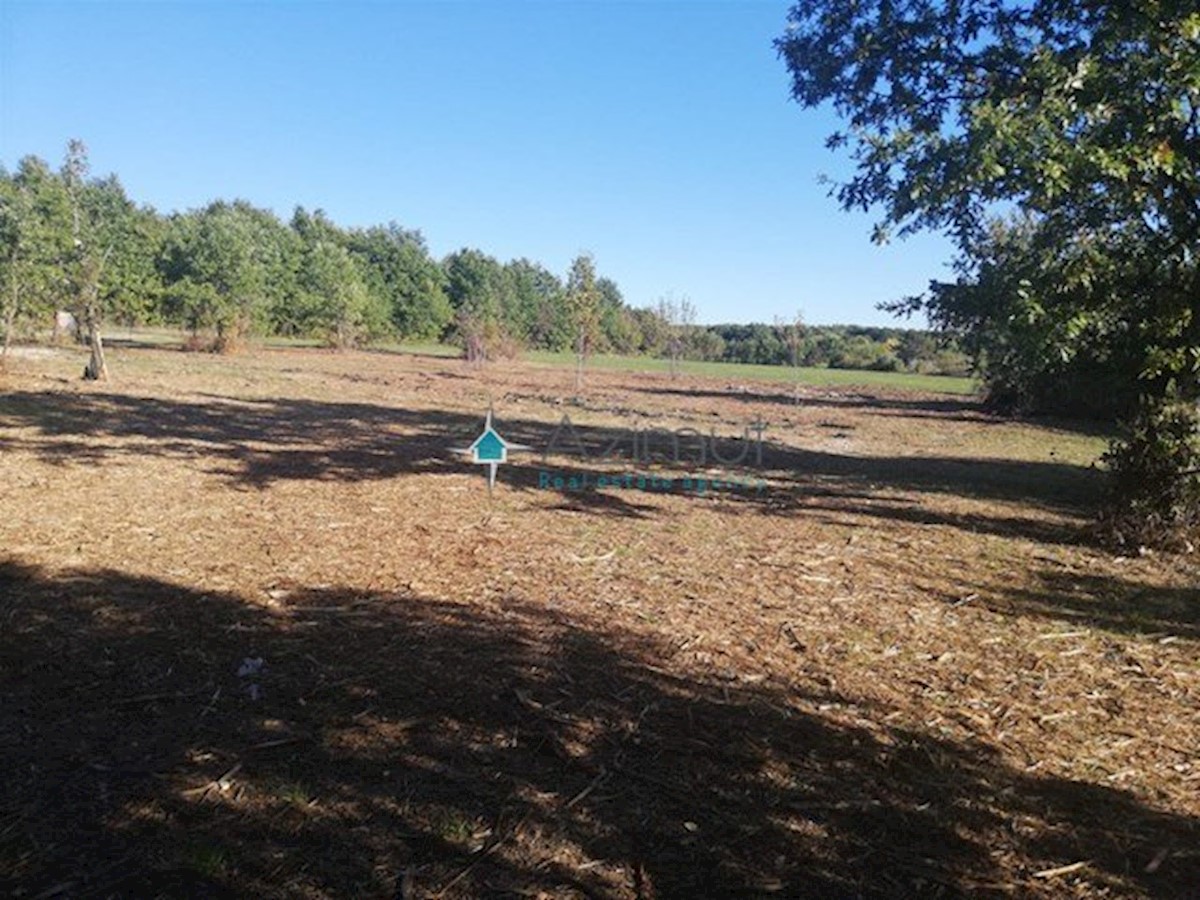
{"type": "Point", "coordinates": [230, 270]}
{"type": "Point", "coordinates": [873, 348]}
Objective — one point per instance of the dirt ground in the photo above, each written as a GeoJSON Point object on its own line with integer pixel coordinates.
{"type": "Point", "coordinates": [265, 634]}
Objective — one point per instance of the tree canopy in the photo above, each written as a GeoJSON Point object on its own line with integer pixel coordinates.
{"type": "Point", "coordinates": [1058, 142]}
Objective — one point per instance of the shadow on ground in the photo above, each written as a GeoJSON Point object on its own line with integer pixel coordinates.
{"type": "Point", "coordinates": [1103, 601]}
{"type": "Point", "coordinates": [254, 443]}
{"type": "Point", "coordinates": [927, 405]}
{"type": "Point", "coordinates": [957, 407]}
{"type": "Point", "coordinates": [486, 752]}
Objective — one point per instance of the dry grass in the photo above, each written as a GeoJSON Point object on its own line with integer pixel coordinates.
{"type": "Point", "coordinates": [901, 669]}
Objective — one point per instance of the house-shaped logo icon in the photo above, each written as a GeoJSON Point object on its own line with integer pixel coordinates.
{"type": "Point", "coordinates": [490, 449]}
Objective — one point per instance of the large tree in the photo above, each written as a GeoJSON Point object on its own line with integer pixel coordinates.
{"type": "Point", "coordinates": [227, 267]}
{"type": "Point", "coordinates": [534, 306]}
{"type": "Point", "coordinates": [399, 269]}
{"type": "Point", "coordinates": [476, 286]}
{"type": "Point", "coordinates": [340, 307]}
{"type": "Point", "coordinates": [35, 238]}
{"type": "Point", "coordinates": [109, 267]}
{"type": "Point", "coordinates": [1081, 117]}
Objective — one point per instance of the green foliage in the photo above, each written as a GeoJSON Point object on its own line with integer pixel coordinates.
{"type": "Point", "coordinates": [1082, 116]}
{"type": "Point", "coordinates": [1038, 345]}
{"type": "Point", "coordinates": [230, 269]}
{"type": "Point", "coordinates": [476, 287]}
{"type": "Point", "coordinates": [132, 238]}
{"type": "Point", "coordinates": [535, 306]}
{"type": "Point", "coordinates": [227, 267]}
{"type": "Point", "coordinates": [835, 346]}
{"type": "Point", "coordinates": [860, 352]}
{"type": "Point", "coordinates": [1155, 484]}
{"type": "Point", "coordinates": [333, 298]}
{"type": "Point", "coordinates": [706, 344]}
{"type": "Point", "coordinates": [399, 271]}
{"type": "Point", "coordinates": [35, 240]}
{"type": "Point", "coordinates": [584, 305]}
{"type": "Point", "coordinates": [475, 284]}
{"type": "Point", "coordinates": [97, 246]}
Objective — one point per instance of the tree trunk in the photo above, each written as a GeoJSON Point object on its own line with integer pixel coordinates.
{"type": "Point", "coordinates": [10, 313]}
{"type": "Point", "coordinates": [579, 357]}
{"type": "Point", "coordinates": [97, 369]}
{"type": "Point", "coordinates": [10, 319]}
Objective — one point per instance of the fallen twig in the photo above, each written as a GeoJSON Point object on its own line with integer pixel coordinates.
{"type": "Point", "coordinates": [587, 790]}
{"type": "Point", "coordinates": [1061, 870]}
{"type": "Point", "coordinates": [221, 784]}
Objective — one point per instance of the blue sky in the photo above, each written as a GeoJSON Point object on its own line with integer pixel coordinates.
{"type": "Point", "coordinates": [657, 135]}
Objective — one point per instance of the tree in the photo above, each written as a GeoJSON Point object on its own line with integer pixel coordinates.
{"type": "Point", "coordinates": [1033, 347]}
{"type": "Point", "coordinates": [583, 301]}
{"type": "Point", "coordinates": [397, 268]}
{"type": "Point", "coordinates": [332, 294]}
{"type": "Point", "coordinates": [793, 338]}
{"type": "Point", "coordinates": [613, 327]}
{"type": "Point", "coordinates": [34, 240]}
{"type": "Point", "coordinates": [1084, 116]}
{"type": "Point", "coordinates": [535, 309]}
{"type": "Point", "coordinates": [223, 265]}
{"type": "Point", "coordinates": [110, 264]}
{"type": "Point", "coordinates": [914, 346]}
{"type": "Point", "coordinates": [650, 329]}
{"type": "Point", "coordinates": [130, 285]}
{"type": "Point", "coordinates": [679, 316]}
{"type": "Point", "coordinates": [475, 285]}
{"type": "Point", "coordinates": [339, 306]}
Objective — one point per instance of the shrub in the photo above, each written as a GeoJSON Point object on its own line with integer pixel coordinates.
{"type": "Point", "coordinates": [1154, 490]}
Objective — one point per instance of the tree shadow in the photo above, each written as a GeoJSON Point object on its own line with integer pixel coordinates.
{"type": "Point", "coordinates": [831, 503]}
{"type": "Point", "coordinates": [1103, 601]}
{"type": "Point", "coordinates": [925, 405]}
{"type": "Point", "coordinates": [254, 443]}
{"type": "Point", "coordinates": [490, 751]}
{"type": "Point", "coordinates": [950, 407]}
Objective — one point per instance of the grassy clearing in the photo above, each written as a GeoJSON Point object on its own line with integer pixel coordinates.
{"type": "Point", "coordinates": [814, 377]}
{"type": "Point", "coordinates": [899, 669]}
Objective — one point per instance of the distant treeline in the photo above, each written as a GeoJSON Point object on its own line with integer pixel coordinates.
{"type": "Point", "coordinates": [230, 270]}
{"type": "Point", "coordinates": [834, 346]}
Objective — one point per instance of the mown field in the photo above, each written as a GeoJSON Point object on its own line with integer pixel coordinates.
{"type": "Point", "coordinates": [804, 375]}
{"type": "Point", "coordinates": [266, 634]}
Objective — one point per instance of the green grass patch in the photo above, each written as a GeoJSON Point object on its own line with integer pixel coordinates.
{"type": "Point", "coordinates": [816, 377]}
{"type": "Point", "coordinates": [813, 377]}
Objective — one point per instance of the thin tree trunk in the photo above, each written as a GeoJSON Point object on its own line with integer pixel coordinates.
{"type": "Point", "coordinates": [97, 369]}
{"type": "Point", "coordinates": [579, 350]}
{"type": "Point", "coordinates": [10, 314]}
{"type": "Point", "coordinates": [10, 320]}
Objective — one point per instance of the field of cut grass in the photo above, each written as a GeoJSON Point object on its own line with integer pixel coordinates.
{"type": "Point", "coordinates": [809, 376]}
{"type": "Point", "coordinates": [734, 372]}
{"type": "Point", "coordinates": [266, 634]}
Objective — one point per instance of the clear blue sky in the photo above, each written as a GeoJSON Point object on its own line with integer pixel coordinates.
{"type": "Point", "coordinates": [657, 135]}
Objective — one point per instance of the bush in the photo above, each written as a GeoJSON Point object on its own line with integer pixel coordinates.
{"type": "Point", "coordinates": [945, 362]}
{"type": "Point", "coordinates": [1154, 491]}
{"type": "Point", "coordinates": [860, 352]}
